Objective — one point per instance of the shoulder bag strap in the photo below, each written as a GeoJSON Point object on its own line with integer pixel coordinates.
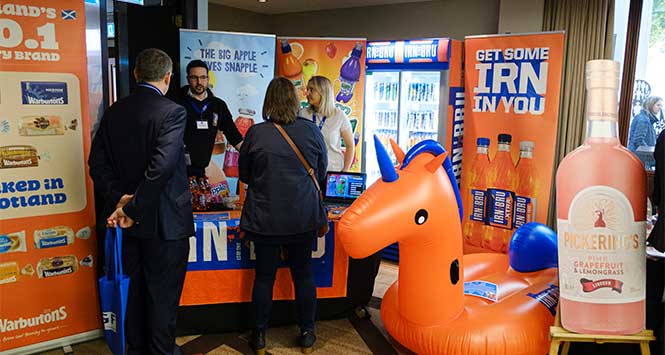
{"type": "Point", "coordinates": [304, 162]}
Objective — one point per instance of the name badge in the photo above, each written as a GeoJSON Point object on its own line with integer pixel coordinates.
{"type": "Point", "coordinates": [202, 124]}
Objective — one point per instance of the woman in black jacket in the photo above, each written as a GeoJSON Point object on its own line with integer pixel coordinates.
{"type": "Point", "coordinates": [282, 207]}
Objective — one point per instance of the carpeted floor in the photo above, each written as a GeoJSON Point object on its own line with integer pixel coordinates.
{"type": "Point", "coordinates": [341, 337]}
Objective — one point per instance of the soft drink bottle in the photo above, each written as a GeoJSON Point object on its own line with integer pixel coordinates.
{"type": "Point", "coordinates": [207, 188]}
{"type": "Point", "coordinates": [202, 194]}
{"type": "Point", "coordinates": [193, 189]}
{"type": "Point", "coordinates": [525, 199]}
{"type": "Point", "coordinates": [476, 184]}
{"type": "Point", "coordinates": [291, 66]}
{"type": "Point", "coordinates": [601, 212]}
{"type": "Point", "coordinates": [349, 74]}
{"type": "Point", "coordinates": [500, 197]}
{"type": "Point", "coordinates": [244, 121]}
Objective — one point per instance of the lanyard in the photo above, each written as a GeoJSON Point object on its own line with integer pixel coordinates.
{"type": "Point", "coordinates": [323, 120]}
{"type": "Point", "coordinates": [196, 108]}
{"type": "Point", "coordinates": [149, 86]}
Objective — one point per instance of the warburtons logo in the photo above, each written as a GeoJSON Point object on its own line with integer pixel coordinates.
{"type": "Point", "coordinates": [10, 325]}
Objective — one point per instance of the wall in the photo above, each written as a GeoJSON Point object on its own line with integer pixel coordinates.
{"type": "Point", "coordinates": [224, 18]}
{"type": "Point", "coordinates": [440, 18]}
{"type": "Point", "coordinates": [521, 16]}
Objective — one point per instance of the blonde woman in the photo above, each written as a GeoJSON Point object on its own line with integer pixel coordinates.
{"type": "Point", "coordinates": [332, 122]}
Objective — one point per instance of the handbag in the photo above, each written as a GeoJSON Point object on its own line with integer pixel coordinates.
{"type": "Point", "coordinates": [113, 292]}
{"type": "Point", "coordinates": [326, 227]}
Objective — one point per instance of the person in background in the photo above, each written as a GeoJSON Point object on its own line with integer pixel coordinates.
{"type": "Point", "coordinates": [642, 133]}
{"type": "Point", "coordinates": [332, 122]}
{"type": "Point", "coordinates": [137, 161]}
{"type": "Point", "coordinates": [282, 206]}
{"type": "Point", "coordinates": [206, 115]}
{"type": "Point", "coordinates": [655, 269]}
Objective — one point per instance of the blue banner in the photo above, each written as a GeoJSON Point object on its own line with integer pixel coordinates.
{"type": "Point", "coordinates": [218, 245]}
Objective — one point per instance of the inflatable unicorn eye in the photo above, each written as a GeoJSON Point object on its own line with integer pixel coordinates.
{"type": "Point", "coordinates": [454, 272]}
{"type": "Point", "coordinates": [421, 217]}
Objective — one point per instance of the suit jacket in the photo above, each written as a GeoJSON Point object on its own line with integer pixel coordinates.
{"type": "Point", "coordinates": [139, 150]}
{"type": "Point", "coordinates": [281, 197]}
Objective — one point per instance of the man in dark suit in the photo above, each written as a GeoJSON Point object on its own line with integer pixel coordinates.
{"type": "Point", "coordinates": [138, 161]}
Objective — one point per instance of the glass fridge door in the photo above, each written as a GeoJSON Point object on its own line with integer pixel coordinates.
{"type": "Point", "coordinates": [419, 107]}
{"type": "Point", "coordinates": [381, 117]}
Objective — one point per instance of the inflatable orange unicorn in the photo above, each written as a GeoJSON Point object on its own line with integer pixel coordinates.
{"type": "Point", "coordinates": [427, 310]}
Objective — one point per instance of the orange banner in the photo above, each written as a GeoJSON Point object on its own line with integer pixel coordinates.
{"type": "Point", "coordinates": [512, 104]}
{"type": "Point", "coordinates": [340, 60]}
{"type": "Point", "coordinates": [47, 242]}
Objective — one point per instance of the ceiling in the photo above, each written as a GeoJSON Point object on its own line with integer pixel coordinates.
{"type": "Point", "coordinates": [272, 7]}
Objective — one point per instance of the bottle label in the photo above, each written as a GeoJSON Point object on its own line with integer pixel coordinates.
{"type": "Point", "coordinates": [478, 210]}
{"type": "Point", "coordinates": [500, 208]}
{"type": "Point", "coordinates": [602, 249]}
{"type": "Point", "coordinates": [525, 210]}
{"type": "Point", "coordinates": [548, 297]}
{"type": "Point", "coordinates": [346, 86]}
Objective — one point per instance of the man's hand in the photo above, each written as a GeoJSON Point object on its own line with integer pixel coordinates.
{"type": "Point", "coordinates": [124, 200]}
{"type": "Point", "coordinates": [119, 218]}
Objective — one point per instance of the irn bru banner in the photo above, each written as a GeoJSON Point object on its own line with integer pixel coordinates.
{"type": "Point", "coordinates": [512, 103]}
{"type": "Point", "coordinates": [47, 247]}
{"type": "Point", "coordinates": [221, 264]}
{"type": "Point", "coordinates": [433, 50]}
{"type": "Point", "coordinates": [340, 60]}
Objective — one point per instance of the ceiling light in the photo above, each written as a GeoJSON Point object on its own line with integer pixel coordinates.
{"type": "Point", "coordinates": [263, 0]}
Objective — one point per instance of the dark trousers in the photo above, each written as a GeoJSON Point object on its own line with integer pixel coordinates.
{"type": "Point", "coordinates": [299, 259]}
{"type": "Point", "coordinates": [156, 269]}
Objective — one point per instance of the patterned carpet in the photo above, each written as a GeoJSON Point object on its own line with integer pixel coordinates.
{"type": "Point", "coordinates": [334, 337]}
{"type": "Point", "coordinates": [340, 337]}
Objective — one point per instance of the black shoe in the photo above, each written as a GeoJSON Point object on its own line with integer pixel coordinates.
{"type": "Point", "coordinates": [258, 342]}
{"type": "Point", "coordinates": [307, 339]}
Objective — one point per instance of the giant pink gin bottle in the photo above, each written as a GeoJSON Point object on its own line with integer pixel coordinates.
{"type": "Point", "coordinates": [601, 211]}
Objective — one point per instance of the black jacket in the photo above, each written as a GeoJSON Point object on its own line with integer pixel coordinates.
{"type": "Point", "coordinates": [213, 110]}
{"type": "Point", "coordinates": [281, 197]}
{"type": "Point", "coordinates": [139, 150]}
{"type": "Point", "coordinates": [657, 236]}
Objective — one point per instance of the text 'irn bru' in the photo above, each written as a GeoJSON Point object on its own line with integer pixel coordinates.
{"type": "Point", "coordinates": [601, 212]}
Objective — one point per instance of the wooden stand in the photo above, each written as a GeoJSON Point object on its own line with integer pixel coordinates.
{"type": "Point", "coordinates": [558, 336]}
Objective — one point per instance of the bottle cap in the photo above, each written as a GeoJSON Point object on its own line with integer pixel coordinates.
{"type": "Point", "coordinates": [526, 145]}
{"type": "Point", "coordinates": [482, 141]}
{"type": "Point", "coordinates": [246, 111]}
{"type": "Point", "coordinates": [286, 47]}
{"type": "Point", "coordinates": [505, 138]}
{"type": "Point", "coordinates": [602, 73]}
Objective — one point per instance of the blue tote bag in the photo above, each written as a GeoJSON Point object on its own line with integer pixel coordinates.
{"type": "Point", "coordinates": [113, 291]}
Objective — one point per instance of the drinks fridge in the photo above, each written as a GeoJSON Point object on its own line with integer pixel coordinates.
{"type": "Point", "coordinates": [414, 91]}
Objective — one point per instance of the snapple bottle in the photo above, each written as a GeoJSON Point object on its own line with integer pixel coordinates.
{"type": "Point", "coordinates": [244, 121]}
{"type": "Point", "coordinates": [601, 210]}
